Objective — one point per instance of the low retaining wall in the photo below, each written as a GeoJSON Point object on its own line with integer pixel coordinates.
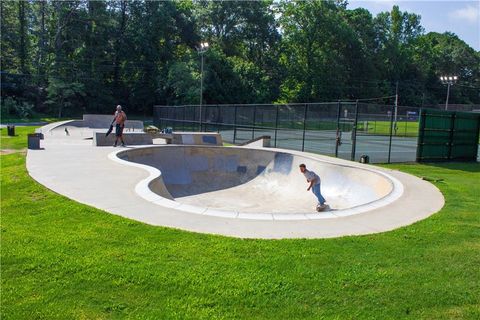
{"type": "Point", "coordinates": [130, 138]}
{"type": "Point", "coordinates": [197, 138]}
{"type": "Point", "coordinates": [263, 141]}
{"type": "Point", "coordinates": [99, 121]}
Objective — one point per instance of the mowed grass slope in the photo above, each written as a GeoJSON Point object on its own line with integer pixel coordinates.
{"type": "Point", "coordinates": [19, 141]}
{"type": "Point", "coordinates": [64, 260]}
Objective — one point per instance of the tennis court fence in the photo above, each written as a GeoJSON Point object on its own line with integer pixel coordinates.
{"type": "Point", "coordinates": [344, 129]}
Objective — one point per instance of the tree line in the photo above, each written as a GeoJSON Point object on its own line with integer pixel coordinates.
{"type": "Point", "coordinates": [72, 57]}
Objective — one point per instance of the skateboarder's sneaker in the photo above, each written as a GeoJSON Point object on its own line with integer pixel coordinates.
{"type": "Point", "coordinates": [123, 145]}
{"type": "Point", "coordinates": [321, 207]}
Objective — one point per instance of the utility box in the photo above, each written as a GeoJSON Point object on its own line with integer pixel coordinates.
{"type": "Point", "coordinates": [11, 131]}
{"type": "Point", "coordinates": [364, 159]}
{"type": "Point", "coordinates": [34, 141]}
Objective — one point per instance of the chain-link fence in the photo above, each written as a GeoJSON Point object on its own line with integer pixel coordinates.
{"type": "Point", "coordinates": [348, 130]}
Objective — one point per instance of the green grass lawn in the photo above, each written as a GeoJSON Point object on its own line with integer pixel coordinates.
{"type": "Point", "coordinates": [404, 128]}
{"type": "Point", "coordinates": [37, 118]}
{"type": "Point", "coordinates": [19, 141]}
{"type": "Point", "coordinates": [64, 260]}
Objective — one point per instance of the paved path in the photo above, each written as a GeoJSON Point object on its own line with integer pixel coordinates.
{"type": "Point", "coordinates": [73, 167]}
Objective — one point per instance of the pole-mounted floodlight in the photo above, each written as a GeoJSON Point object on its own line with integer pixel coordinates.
{"type": "Point", "coordinates": [201, 50]}
{"type": "Point", "coordinates": [448, 81]}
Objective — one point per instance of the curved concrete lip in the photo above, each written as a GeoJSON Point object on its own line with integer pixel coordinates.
{"type": "Point", "coordinates": [392, 188]}
{"type": "Point", "coordinates": [71, 166]}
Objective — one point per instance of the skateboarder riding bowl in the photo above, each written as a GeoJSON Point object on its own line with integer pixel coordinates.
{"type": "Point", "coordinates": [314, 183]}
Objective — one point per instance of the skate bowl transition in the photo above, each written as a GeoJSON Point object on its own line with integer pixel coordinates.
{"type": "Point", "coordinates": [237, 182]}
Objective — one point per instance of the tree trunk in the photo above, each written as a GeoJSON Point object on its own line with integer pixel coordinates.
{"type": "Point", "coordinates": [89, 43]}
{"type": "Point", "coordinates": [22, 50]}
{"type": "Point", "coordinates": [41, 46]}
{"type": "Point", "coordinates": [60, 109]}
{"type": "Point", "coordinates": [118, 44]}
{"type": "Point", "coordinates": [58, 36]}
{"type": "Point", "coordinates": [63, 20]}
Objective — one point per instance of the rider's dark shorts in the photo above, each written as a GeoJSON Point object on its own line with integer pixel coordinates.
{"type": "Point", "coordinates": [118, 130]}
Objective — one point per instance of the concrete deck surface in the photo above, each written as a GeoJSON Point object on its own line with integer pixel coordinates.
{"type": "Point", "coordinates": [71, 166]}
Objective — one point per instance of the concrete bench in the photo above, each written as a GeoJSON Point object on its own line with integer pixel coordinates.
{"type": "Point", "coordinates": [167, 136]}
{"type": "Point", "coordinates": [197, 138]}
{"type": "Point", "coordinates": [191, 138]}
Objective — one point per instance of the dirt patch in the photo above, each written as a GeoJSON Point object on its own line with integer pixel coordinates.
{"type": "Point", "coordinates": [10, 151]}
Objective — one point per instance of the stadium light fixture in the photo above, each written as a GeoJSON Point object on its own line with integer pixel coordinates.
{"type": "Point", "coordinates": [448, 81]}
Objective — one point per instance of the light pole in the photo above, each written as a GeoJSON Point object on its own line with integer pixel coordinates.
{"type": "Point", "coordinates": [449, 81]}
{"type": "Point", "coordinates": [201, 50]}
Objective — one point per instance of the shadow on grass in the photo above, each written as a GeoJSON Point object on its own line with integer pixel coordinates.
{"type": "Point", "coordinates": [457, 166]}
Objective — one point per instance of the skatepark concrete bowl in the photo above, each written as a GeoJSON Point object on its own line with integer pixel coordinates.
{"type": "Point", "coordinates": [239, 182]}
{"type": "Point", "coordinates": [246, 192]}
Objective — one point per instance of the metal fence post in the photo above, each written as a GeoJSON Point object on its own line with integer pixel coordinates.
{"type": "Point", "coordinates": [216, 119]}
{"type": "Point", "coordinates": [174, 119]}
{"type": "Point", "coordinates": [184, 117]}
{"type": "Point", "coordinates": [421, 134]}
{"type": "Point", "coordinates": [478, 135]}
{"type": "Point", "coordinates": [304, 125]}
{"type": "Point", "coordinates": [168, 122]}
{"type": "Point", "coordinates": [234, 122]}
{"type": "Point", "coordinates": [354, 132]}
{"type": "Point", "coordinates": [338, 134]}
{"type": "Point", "coordinates": [155, 116]}
{"type": "Point", "coordinates": [391, 132]}
{"type": "Point", "coordinates": [450, 136]}
{"type": "Point", "coordinates": [254, 121]}
{"type": "Point", "coordinates": [199, 118]}
{"type": "Point", "coordinates": [276, 126]}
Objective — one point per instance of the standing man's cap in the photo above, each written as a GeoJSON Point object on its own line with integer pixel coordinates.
{"type": "Point", "coordinates": [119, 107]}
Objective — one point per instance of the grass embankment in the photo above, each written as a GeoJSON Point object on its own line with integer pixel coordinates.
{"type": "Point", "coordinates": [61, 259]}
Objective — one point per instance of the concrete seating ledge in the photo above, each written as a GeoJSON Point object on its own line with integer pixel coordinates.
{"type": "Point", "coordinates": [130, 138]}
{"type": "Point", "coordinates": [191, 138]}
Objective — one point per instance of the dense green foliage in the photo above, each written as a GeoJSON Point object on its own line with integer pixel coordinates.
{"type": "Point", "coordinates": [64, 260]}
{"type": "Point", "coordinates": [70, 57]}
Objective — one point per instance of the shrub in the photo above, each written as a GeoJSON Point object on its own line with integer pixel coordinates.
{"type": "Point", "coordinates": [12, 107]}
